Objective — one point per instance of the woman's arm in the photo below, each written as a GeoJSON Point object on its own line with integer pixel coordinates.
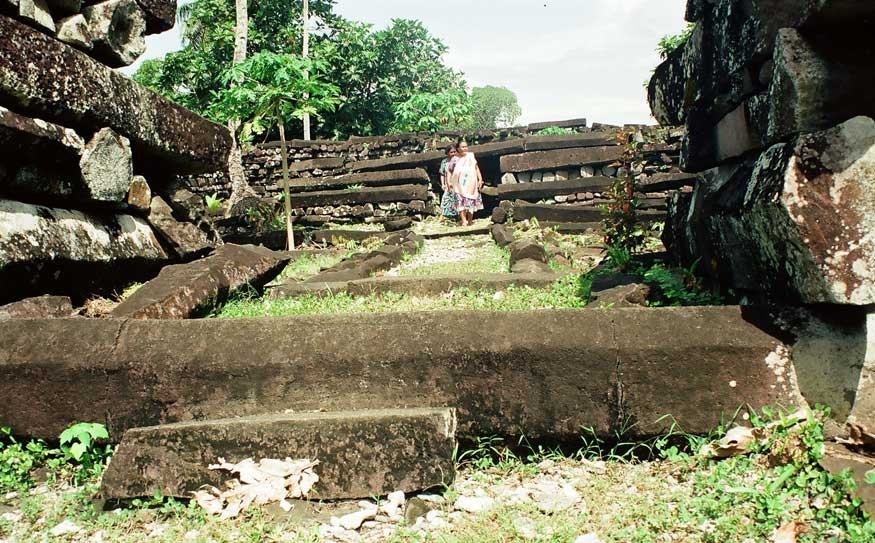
{"type": "Point", "coordinates": [479, 177]}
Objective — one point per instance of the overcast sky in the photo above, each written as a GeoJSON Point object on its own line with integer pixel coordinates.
{"type": "Point", "coordinates": [563, 58]}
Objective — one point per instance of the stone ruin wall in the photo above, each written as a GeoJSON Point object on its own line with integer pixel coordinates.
{"type": "Point", "coordinates": [570, 170]}
{"type": "Point", "coordinates": [777, 100]}
{"type": "Point", "coordinates": [86, 154]}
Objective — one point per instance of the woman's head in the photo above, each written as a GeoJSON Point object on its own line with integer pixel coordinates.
{"type": "Point", "coordinates": [461, 147]}
{"type": "Point", "coordinates": [451, 150]}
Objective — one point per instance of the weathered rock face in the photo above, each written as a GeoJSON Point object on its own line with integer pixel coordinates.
{"type": "Point", "coordinates": [46, 249]}
{"type": "Point", "coordinates": [186, 239]}
{"type": "Point", "coordinates": [117, 29]}
{"type": "Point", "coordinates": [615, 368]}
{"type": "Point", "coordinates": [160, 15]}
{"type": "Point", "coordinates": [802, 216]}
{"type": "Point", "coordinates": [43, 77]}
{"type": "Point", "coordinates": [361, 454]}
{"type": "Point", "coordinates": [107, 167]}
{"type": "Point", "coordinates": [42, 307]}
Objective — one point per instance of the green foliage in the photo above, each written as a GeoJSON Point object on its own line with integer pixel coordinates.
{"type": "Point", "coordinates": [432, 112]}
{"type": "Point", "coordinates": [678, 287]}
{"type": "Point", "coordinates": [81, 455]}
{"type": "Point", "coordinates": [493, 107]}
{"type": "Point", "coordinates": [670, 43]}
{"type": "Point", "coordinates": [270, 87]}
{"type": "Point", "coordinates": [374, 70]}
{"type": "Point", "coordinates": [213, 203]}
{"type": "Point", "coordinates": [621, 226]}
{"type": "Point", "coordinates": [554, 131]}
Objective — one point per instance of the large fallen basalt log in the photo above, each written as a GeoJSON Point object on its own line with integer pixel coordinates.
{"type": "Point", "coordinates": [181, 290]}
{"type": "Point", "coordinates": [360, 454]}
{"type": "Point", "coordinates": [560, 158]}
{"type": "Point", "coordinates": [45, 78]}
{"type": "Point", "coordinates": [160, 15]}
{"type": "Point", "coordinates": [60, 251]}
{"type": "Point", "coordinates": [614, 372]}
{"type": "Point", "coordinates": [794, 225]}
{"type": "Point", "coordinates": [417, 160]}
{"type": "Point", "coordinates": [370, 195]}
{"type": "Point", "coordinates": [570, 141]}
{"type": "Point", "coordinates": [367, 179]}
{"type": "Point", "coordinates": [554, 213]}
{"type": "Point", "coordinates": [540, 191]}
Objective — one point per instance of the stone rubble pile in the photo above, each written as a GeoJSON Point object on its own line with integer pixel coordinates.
{"type": "Point", "coordinates": [778, 105]}
{"type": "Point", "coordinates": [85, 152]}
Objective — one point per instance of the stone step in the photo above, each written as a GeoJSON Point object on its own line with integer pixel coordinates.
{"type": "Point", "coordinates": [432, 285]}
{"type": "Point", "coordinates": [370, 195]}
{"type": "Point", "coordinates": [540, 191]}
{"type": "Point", "coordinates": [415, 176]}
{"type": "Point", "coordinates": [544, 373]}
{"type": "Point", "coordinates": [361, 454]}
{"type": "Point", "coordinates": [86, 95]}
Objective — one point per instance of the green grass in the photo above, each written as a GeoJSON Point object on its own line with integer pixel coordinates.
{"type": "Point", "coordinates": [480, 257]}
{"type": "Point", "coordinates": [308, 265]}
{"type": "Point", "coordinates": [671, 492]}
{"type": "Point", "coordinates": [569, 292]}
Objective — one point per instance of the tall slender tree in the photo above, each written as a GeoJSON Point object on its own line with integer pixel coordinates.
{"type": "Point", "coordinates": [305, 52]}
{"type": "Point", "coordinates": [239, 185]}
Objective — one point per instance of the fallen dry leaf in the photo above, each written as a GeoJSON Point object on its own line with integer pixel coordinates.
{"type": "Point", "coordinates": [786, 533]}
{"type": "Point", "coordinates": [734, 443]}
{"type": "Point", "coordinates": [266, 481]}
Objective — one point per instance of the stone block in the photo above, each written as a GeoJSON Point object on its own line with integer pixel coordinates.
{"type": "Point", "coordinates": [160, 15]}
{"type": "Point", "coordinates": [367, 179]}
{"type": "Point", "coordinates": [180, 290]}
{"type": "Point", "coordinates": [107, 167]}
{"type": "Point", "coordinates": [553, 213]}
{"type": "Point", "coordinates": [45, 249]}
{"type": "Point", "coordinates": [372, 195]}
{"type": "Point", "coordinates": [499, 216]}
{"type": "Point", "coordinates": [570, 141]}
{"type": "Point", "coordinates": [526, 249]}
{"type": "Point", "coordinates": [89, 96]}
{"type": "Point", "coordinates": [501, 234]}
{"type": "Point", "coordinates": [540, 191]}
{"type": "Point", "coordinates": [184, 238]}
{"type": "Point", "coordinates": [146, 372]}
{"type": "Point", "coordinates": [530, 266]}
{"type": "Point", "coordinates": [118, 31]}
{"type": "Point", "coordinates": [360, 454]}
{"type": "Point", "coordinates": [561, 158]}
{"type": "Point", "coordinates": [41, 307]}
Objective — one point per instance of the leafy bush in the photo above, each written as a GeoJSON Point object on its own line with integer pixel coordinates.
{"type": "Point", "coordinates": [678, 287]}
{"type": "Point", "coordinates": [671, 43]}
{"type": "Point", "coordinates": [213, 203]}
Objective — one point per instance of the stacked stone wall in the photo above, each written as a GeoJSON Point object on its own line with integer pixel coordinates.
{"type": "Point", "coordinates": [85, 152]}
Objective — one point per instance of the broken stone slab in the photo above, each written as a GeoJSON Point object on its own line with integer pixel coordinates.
{"type": "Point", "coordinates": [181, 290]}
{"type": "Point", "coordinates": [75, 31]}
{"type": "Point", "coordinates": [107, 167]}
{"type": "Point", "coordinates": [793, 226]}
{"type": "Point", "coordinates": [118, 30]}
{"type": "Point", "coordinates": [40, 307]}
{"type": "Point", "coordinates": [529, 266]}
{"type": "Point", "coordinates": [37, 13]}
{"type": "Point", "coordinates": [549, 143]}
{"type": "Point", "coordinates": [59, 250]}
{"type": "Point", "coordinates": [340, 237]}
{"type": "Point", "coordinates": [140, 194]}
{"type": "Point", "coordinates": [160, 15]}
{"type": "Point", "coordinates": [498, 148]}
{"type": "Point", "coordinates": [361, 454]}
{"type": "Point", "coordinates": [630, 295]}
{"type": "Point", "coordinates": [553, 213]}
{"type": "Point", "coordinates": [184, 238]}
{"type": "Point", "coordinates": [499, 216]}
{"type": "Point", "coordinates": [560, 158]}
{"type": "Point", "coordinates": [146, 372]}
{"type": "Point", "coordinates": [89, 96]}
{"type": "Point", "coordinates": [660, 182]}
{"type": "Point", "coordinates": [838, 459]}
{"type": "Point", "coordinates": [396, 225]}
{"type": "Point", "coordinates": [368, 179]}
{"type": "Point", "coordinates": [415, 160]}
{"type": "Point", "coordinates": [526, 249]}
{"type": "Point", "coordinates": [541, 191]}
{"type": "Point", "coordinates": [501, 234]}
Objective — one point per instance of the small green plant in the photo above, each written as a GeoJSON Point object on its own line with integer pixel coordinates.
{"type": "Point", "coordinates": [213, 203]}
{"type": "Point", "coordinates": [678, 286]}
{"type": "Point", "coordinates": [554, 131]}
{"type": "Point", "coordinates": [18, 460]}
{"type": "Point", "coordinates": [356, 186]}
{"type": "Point", "coordinates": [620, 223]}
{"type": "Point", "coordinates": [85, 444]}
{"type": "Point", "coordinates": [672, 42]}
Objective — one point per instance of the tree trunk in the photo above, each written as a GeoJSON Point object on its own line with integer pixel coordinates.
{"type": "Point", "coordinates": [287, 200]}
{"type": "Point", "coordinates": [305, 52]}
{"type": "Point", "coordinates": [239, 185]}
